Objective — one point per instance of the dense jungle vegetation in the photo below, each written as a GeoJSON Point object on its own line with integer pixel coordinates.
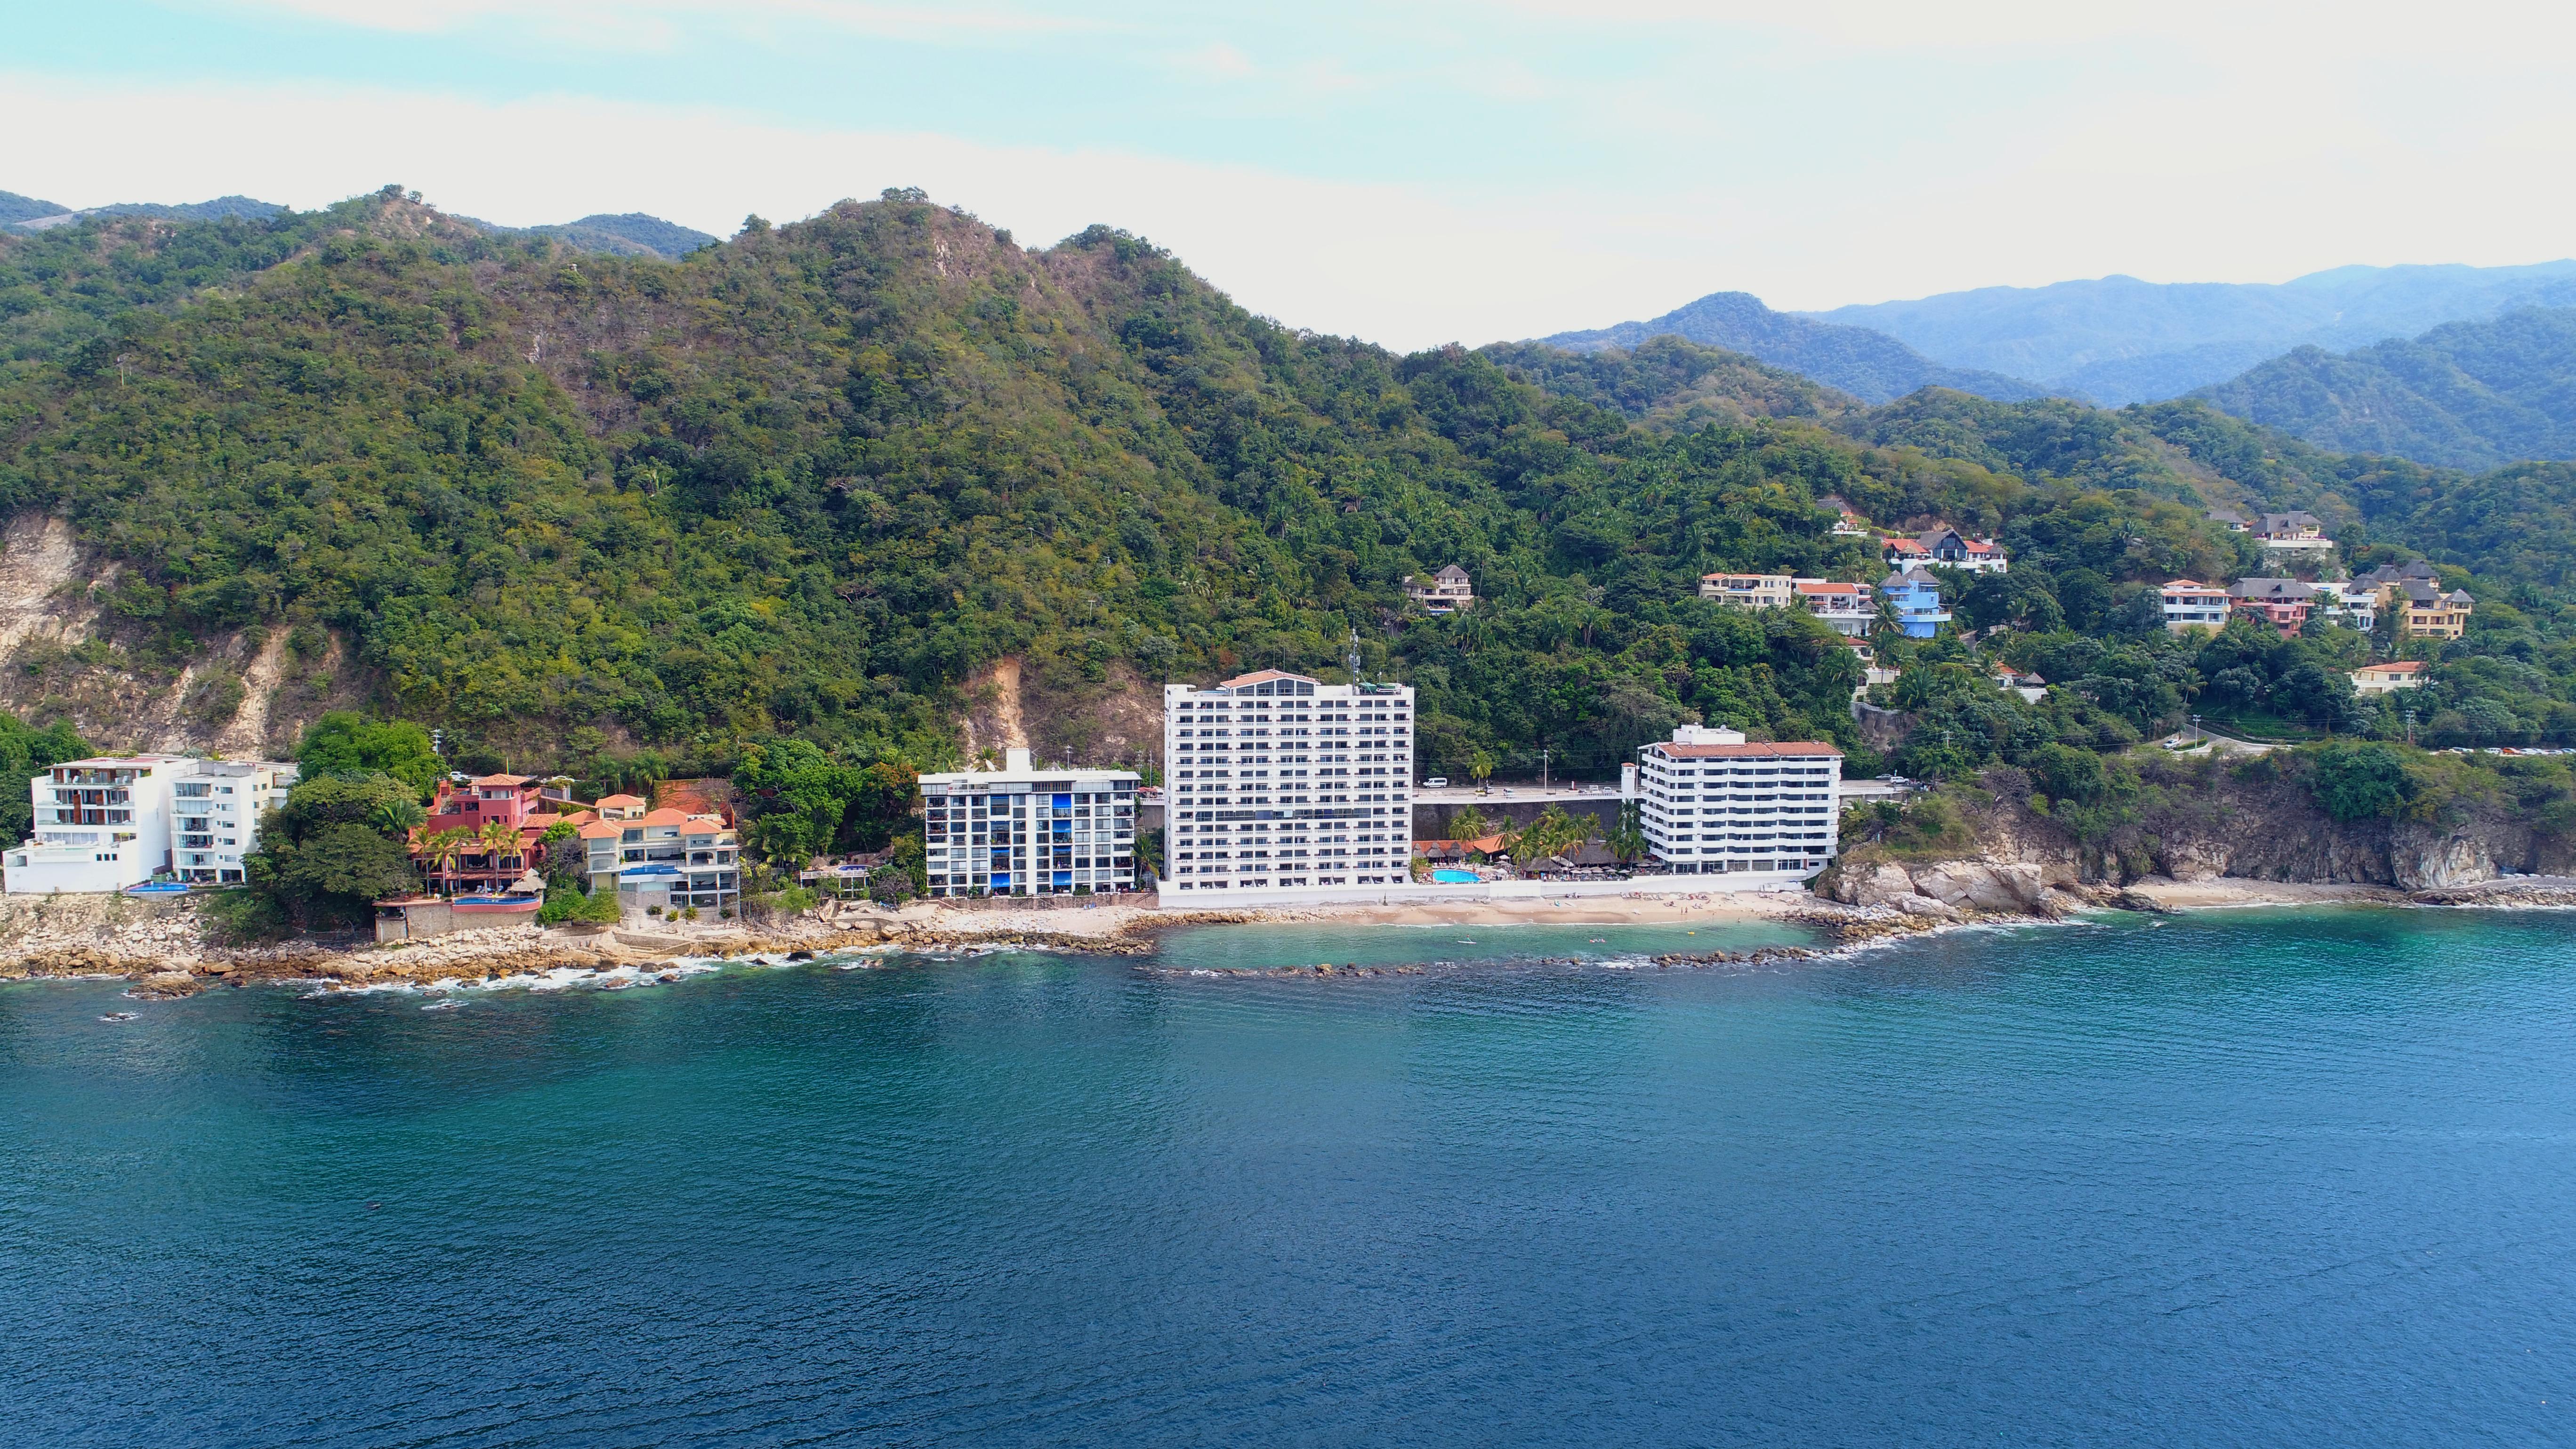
{"type": "Point", "coordinates": [593, 510]}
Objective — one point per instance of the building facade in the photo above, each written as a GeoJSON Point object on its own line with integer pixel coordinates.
{"type": "Point", "coordinates": [2191, 604]}
{"type": "Point", "coordinates": [1749, 591]}
{"type": "Point", "coordinates": [2427, 611]}
{"type": "Point", "coordinates": [2281, 604]}
{"type": "Point", "coordinates": [1916, 597]}
{"type": "Point", "coordinates": [1449, 591]}
{"type": "Point", "coordinates": [1275, 781]}
{"type": "Point", "coordinates": [2388, 678]}
{"type": "Point", "coordinates": [1712, 803]}
{"type": "Point", "coordinates": [1949, 548]}
{"type": "Point", "coordinates": [116, 821]}
{"type": "Point", "coordinates": [2293, 532]}
{"type": "Point", "coordinates": [1025, 831]}
{"type": "Point", "coordinates": [1849, 609]}
{"type": "Point", "coordinates": [666, 857]}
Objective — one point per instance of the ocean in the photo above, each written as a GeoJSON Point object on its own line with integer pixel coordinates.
{"type": "Point", "coordinates": [2238, 1178]}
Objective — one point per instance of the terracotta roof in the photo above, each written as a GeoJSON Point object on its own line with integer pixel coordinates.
{"type": "Point", "coordinates": [1263, 676]}
{"type": "Point", "coordinates": [606, 801]}
{"type": "Point", "coordinates": [503, 779]}
{"type": "Point", "coordinates": [666, 816]}
{"type": "Point", "coordinates": [1801, 749]}
{"type": "Point", "coordinates": [1819, 586]}
{"type": "Point", "coordinates": [599, 830]}
{"type": "Point", "coordinates": [2395, 666]}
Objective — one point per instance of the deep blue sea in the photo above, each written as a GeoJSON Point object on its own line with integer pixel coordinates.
{"type": "Point", "coordinates": [2257, 1178]}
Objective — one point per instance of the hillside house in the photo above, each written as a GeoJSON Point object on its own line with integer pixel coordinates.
{"type": "Point", "coordinates": [2426, 611]}
{"type": "Point", "coordinates": [2027, 684]}
{"type": "Point", "coordinates": [2230, 519]}
{"type": "Point", "coordinates": [2191, 604]}
{"type": "Point", "coordinates": [1446, 592]}
{"type": "Point", "coordinates": [1750, 591]}
{"type": "Point", "coordinates": [2295, 531]}
{"type": "Point", "coordinates": [1948, 548]}
{"type": "Point", "coordinates": [2282, 604]}
{"type": "Point", "coordinates": [1847, 523]}
{"type": "Point", "coordinates": [2388, 678]}
{"type": "Point", "coordinates": [1849, 609]}
{"type": "Point", "coordinates": [1916, 597]}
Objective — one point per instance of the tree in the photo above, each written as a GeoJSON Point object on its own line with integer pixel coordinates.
{"type": "Point", "coordinates": [339, 872]}
{"type": "Point", "coordinates": [1469, 824]}
{"type": "Point", "coordinates": [344, 742]}
{"type": "Point", "coordinates": [496, 842]}
{"type": "Point", "coordinates": [23, 752]}
{"type": "Point", "coordinates": [2361, 780]}
{"type": "Point", "coordinates": [1553, 833]}
{"type": "Point", "coordinates": [1479, 766]}
{"type": "Point", "coordinates": [1627, 839]}
{"type": "Point", "coordinates": [444, 851]}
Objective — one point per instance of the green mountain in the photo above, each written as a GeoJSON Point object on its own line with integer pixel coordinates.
{"type": "Point", "coordinates": [15, 208]}
{"type": "Point", "coordinates": [629, 234]}
{"type": "Point", "coordinates": [220, 209]}
{"type": "Point", "coordinates": [820, 480]}
{"type": "Point", "coordinates": [2465, 395]}
{"type": "Point", "coordinates": [1869, 365]}
{"type": "Point", "coordinates": [2119, 340]}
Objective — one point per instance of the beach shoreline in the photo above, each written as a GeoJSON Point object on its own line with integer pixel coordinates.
{"type": "Point", "coordinates": [161, 946]}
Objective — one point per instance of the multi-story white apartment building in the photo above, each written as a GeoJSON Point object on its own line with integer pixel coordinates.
{"type": "Point", "coordinates": [1275, 782]}
{"type": "Point", "coordinates": [2191, 604]}
{"type": "Point", "coordinates": [1710, 802]}
{"type": "Point", "coordinates": [116, 821]}
{"type": "Point", "coordinates": [1025, 831]}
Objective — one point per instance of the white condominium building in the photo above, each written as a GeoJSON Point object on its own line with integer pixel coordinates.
{"type": "Point", "coordinates": [1024, 831]}
{"type": "Point", "coordinates": [1277, 781]}
{"type": "Point", "coordinates": [108, 823]}
{"type": "Point", "coordinates": [1710, 802]}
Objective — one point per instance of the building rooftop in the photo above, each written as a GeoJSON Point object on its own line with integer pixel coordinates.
{"type": "Point", "coordinates": [1264, 676]}
{"type": "Point", "coordinates": [1798, 749]}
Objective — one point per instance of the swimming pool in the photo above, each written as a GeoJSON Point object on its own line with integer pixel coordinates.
{"type": "Point", "coordinates": [1454, 877]}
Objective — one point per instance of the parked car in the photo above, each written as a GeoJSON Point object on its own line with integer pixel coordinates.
{"type": "Point", "coordinates": [1437, 782]}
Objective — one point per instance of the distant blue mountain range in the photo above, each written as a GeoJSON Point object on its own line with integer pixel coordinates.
{"type": "Point", "coordinates": [2120, 340]}
{"type": "Point", "coordinates": [1868, 364]}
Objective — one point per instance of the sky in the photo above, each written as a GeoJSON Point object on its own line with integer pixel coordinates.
{"type": "Point", "coordinates": [1407, 171]}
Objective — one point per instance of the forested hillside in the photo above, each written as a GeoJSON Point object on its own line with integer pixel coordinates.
{"type": "Point", "coordinates": [814, 481]}
{"type": "Point", "coordinates": [2464, 395]}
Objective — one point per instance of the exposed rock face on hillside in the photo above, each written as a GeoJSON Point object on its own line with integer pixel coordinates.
{"type": "Point", "coordinates": [2200, 826]}
{"type": "Point", "coordinates": [249, 692]}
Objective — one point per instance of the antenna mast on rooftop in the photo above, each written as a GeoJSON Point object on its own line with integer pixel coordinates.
{"type": "Point", "coordinates": [1353, 658]}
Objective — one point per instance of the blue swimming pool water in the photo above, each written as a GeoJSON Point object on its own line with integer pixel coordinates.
{"type": "Point", "coordinates": [1454, 877]}
{"type": "Point", "coordinates": [2243, 1179]}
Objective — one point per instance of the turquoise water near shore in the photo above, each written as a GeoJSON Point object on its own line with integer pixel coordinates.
{"type": "Point", "coordinates": [2247, 1177]}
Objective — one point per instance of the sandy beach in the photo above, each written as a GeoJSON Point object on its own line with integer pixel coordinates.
{"type": "Point", "coordinates": [162, 944]}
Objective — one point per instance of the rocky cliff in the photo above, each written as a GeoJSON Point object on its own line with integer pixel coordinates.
{"type": "Point", "coordinates": [2193, 821]}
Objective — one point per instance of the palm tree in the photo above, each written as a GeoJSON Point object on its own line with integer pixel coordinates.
{"type": "Point", "coordinates": [1480, 765]}
{"type": "Point", "coordinates": [497, 841]}
{"type": "Point", "coordinates": [1627, 841]}
{"type": "Point", "coordinates": [443, 851]}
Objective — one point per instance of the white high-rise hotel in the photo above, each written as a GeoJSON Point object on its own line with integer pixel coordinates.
{"type": "Point", "coordinates": [1711, 803]}
{"type": "Point", "coordinates": [1275, 781]}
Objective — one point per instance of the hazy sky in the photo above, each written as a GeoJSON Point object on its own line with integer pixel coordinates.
{"type": "Point", "coordinates": [1404, 170]}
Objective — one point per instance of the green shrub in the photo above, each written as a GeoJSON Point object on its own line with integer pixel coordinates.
{"type": "Point", "coordinates": [2362, 780]}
